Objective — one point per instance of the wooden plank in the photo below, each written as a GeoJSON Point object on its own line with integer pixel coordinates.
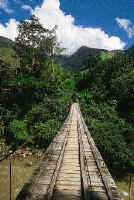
{"type": "Point", "coordinates": [68, 187]}
{"type": "Point", "coordinates": [70, 167]}
{"type": "Point", "coordinates": [53, 181]}
{"type": "Point", "coordinates": [95, 179]}
{"type": "Point", "coordinates": [72, 152]}
{"type": "Point", "coordinates": [49, 167]}
{"type": "Point", "coordinates": [71, 163]}
{"type": "Point", "coordinates": [69, 175]}
{"type": "Point", "coordinates": [67, 178]}
{"type": "Point", "coordinates": [68, 183]}
{"type": "Point", "coordinates": [44, 180]}
{"type": "Point", "coordinates": [68, 192]}
{"type": "Point", "coordinates": [48, 172]}
{"type": "Point", "coordinates": [75, 145]}
{"type": "Point", "coordinates": [97, 189]}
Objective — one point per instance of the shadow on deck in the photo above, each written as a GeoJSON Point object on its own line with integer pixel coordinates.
{"type": "Point", "coordinates": [25, 194]}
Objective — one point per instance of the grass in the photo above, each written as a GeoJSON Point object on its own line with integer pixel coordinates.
{"type": "Point", "coordinates": [21, 172]}
{"type": "Point", "coordinates": [123, 186]}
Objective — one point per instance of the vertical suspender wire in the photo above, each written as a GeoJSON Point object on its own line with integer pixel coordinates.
{"type": "Point", "coordinates": [130, 183]}
{"type": "Point", "coordinates": [10, 174]}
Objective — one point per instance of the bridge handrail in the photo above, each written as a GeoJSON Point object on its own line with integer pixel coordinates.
{"type": "Point", "coordinates": [105, 174]}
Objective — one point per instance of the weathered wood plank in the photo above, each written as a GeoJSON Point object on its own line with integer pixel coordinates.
{"type": "Point", "coordinates": [72, 163]}
{"type": "Point", "coordinates": [68, 192]}
{"type": "Point", "coordinates": [69, 187]}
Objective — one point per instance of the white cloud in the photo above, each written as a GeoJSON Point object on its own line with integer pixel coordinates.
{"type": "Point", "coordinates": [123, 23]}
{"type": "Point", "coordinates": [4, 6]}
{"type": "Point", "coordinates": [126, 25]}
{"type": "Point", "coordinates": [27, 7]}
{"type": "Point", "coordinates": [10, 29]}
{"type": "Point", "coordinates": [69, 35]}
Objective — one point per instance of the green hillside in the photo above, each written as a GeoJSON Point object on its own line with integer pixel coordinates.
{"type": "Point", "coordinates": [130, 51]}
{"type": "Point", "coordinates": [7, 54]}
{"type": "Point", "coordinates": [80, 57]}
{"type": "Point", "coordinates": [6, 43]}
{"type": "Point", "coordinates": [106, 55]}
{"type": "Point", "coordinates": [76, 61]}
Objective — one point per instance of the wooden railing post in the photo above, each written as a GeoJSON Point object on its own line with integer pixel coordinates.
{"type": "Point", "coordinates": [130, 184]}
{"type": "Point", "coordinates": [10, 176]}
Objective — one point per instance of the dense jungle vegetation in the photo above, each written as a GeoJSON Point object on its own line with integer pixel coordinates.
{"type": "Point", "coordinates": [36, 94]}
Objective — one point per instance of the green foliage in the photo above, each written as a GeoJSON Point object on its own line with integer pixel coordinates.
{"type": "Point", "coordinates": [105, 55]}
{"type": "Point", "coordinates": [18, 132]}
{"type": "Point", "coordinates": [44, 120]}
{"type": "Point", "coordinates": [38, 91]}
{"type": "Point", "coordinates": [111, 143]}
{"type": "Point", "coordinates": [101, 77]}
{"type": "Point", "coordinates": [27, 45]}
{"type": "Point", "coordinates": [6, 116]}
{"type": "Point", "coordinates": [109, 133]}
{"type": "Point", "coordinates": [78, 60]}
{"type": "Point", "coordinates": [6, 72]}
{"type": "Point", "coordinates": [86, 95]}
{"type": "Point", "coordinates": [107, 98]}
{"type": "Point", "coordinates": [34, 46]}
{"type": "Point", "coordinates": [8, 56]}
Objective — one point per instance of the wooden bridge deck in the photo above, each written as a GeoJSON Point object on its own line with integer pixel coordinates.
{"type": "Point", "coordinates": [72, 168]}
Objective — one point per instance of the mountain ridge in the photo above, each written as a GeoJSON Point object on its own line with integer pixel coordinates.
{"type": "Point", "coordinates": [78, 59]}
{"type": "Point", "coordinates": [6, 43]}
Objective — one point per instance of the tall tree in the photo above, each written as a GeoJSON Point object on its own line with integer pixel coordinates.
{"type": "Point", "coordinates": [52, 48]}
{"type": "Point", "coordinates": [34, 45]}
{"type": "Point", "coordinates": [5, 74]}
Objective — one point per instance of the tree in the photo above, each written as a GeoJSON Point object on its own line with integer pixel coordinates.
{"type": "Point", "coordinates": [35, 45]}
{"type": "Point", "coordinates": [52, 48]}
{"type": "Point", "coordinates": [5, 74]}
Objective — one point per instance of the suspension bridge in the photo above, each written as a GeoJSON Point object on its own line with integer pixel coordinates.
{"type": "Point", "coordinates": [72, 168]}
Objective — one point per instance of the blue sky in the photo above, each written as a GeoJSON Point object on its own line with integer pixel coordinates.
{"type": "Point", "coordinates": [107, 24]}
